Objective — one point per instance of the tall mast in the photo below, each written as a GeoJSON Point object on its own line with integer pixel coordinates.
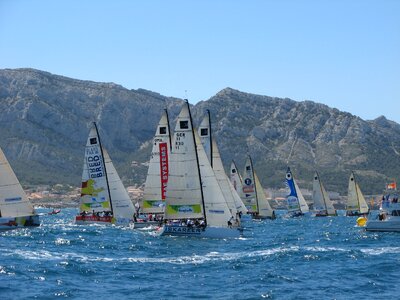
{"type": "Point", "coordinates": [255, 185]}
{"type": "Point", "coordinates": [169, 131]}
{"type": "Point", "coordinates": [104, 166]}
{"type": "Point", "coordinates": [198, 164]}
{"type": "Point", "coordinates": [210, 138]}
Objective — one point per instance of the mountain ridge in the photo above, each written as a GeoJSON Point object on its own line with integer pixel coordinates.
{"type": "Point", "coordinates": [45, 120]}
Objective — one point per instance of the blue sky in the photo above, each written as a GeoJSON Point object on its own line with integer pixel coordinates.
{"type": "Point", "coordinates": [343, 53]}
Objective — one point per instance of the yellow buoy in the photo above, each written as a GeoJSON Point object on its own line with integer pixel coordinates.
{"type": "Point", "coordinates": [361, 221]}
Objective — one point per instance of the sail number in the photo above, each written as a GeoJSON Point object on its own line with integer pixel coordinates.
{"type": "Point", "coordinates": [179, 140]}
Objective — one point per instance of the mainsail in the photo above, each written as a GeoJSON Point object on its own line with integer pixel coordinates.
{"type": "Point", "coordinates": [355, 198]}
{"type": "Point", "coordinates": [253, 193]}
{"type": "Point", "coordinates": [210, 146]}
{"type": "Point", "coordinates": [102, 188]}
{"type": "Point", "coordinates": [13, 200]}
{"type": "Point", "coordinates": [295, 199]}
{"type": "Point", "coordinates": [157, 175]}
{"type": "Point", "coordinates": [184, 196]}
{"type": "Point", "coordinates": [193, 190]}
{"type": "Point", "coordinates": [95, 193]}
{"type": "Point", "coordinates": [322, 203]}
{"type": "Point", "coordinates": [236, 179]}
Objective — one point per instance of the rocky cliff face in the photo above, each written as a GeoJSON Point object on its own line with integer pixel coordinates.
{"type": "Point", "coordinates": [45, 118]}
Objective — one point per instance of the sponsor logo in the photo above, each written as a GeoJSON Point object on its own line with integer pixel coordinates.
{"type": "Point", "coordinates": [247, 181]}
{"type": "Point", "coordinates": [163, 168]}
{"type": "Point", "coordinates": [185, 209]}
{"type": "Point", "coordinates": [213, 211]}
{"type": "Point", "coordinates": [13, 199]}
{"type": "Point", "coordinates": [182, 230]}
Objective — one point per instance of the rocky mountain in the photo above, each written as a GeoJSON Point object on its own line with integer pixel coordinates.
{"type": "Point", "coordinates": [45, 118]}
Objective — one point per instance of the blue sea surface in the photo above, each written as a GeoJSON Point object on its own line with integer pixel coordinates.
{"type": "Point", "coordinates": [299, 258]}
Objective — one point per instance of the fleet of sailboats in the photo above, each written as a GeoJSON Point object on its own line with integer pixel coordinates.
{"type": "Point", "coordinates": [187, 191]}
{"type": "Point", "coordinates": [15, 208]}
{"type": "Point", "coordinates": [322, 203]}
{"type": "Point", "coordinates": [104, 198]}
{"type": "Point", "coordinates": [296, 204]}
{"type": "Point", "coordinates": [356, 204]}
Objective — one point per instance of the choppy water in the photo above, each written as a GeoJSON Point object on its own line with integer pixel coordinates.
{"type": "Point", "coordinates": [303, 258]}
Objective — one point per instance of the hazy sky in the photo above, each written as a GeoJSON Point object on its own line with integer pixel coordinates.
{"type": "Point", "coordinates": [345, 54]}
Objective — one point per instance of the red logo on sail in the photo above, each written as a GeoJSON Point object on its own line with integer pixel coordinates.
{"type": "Point", "coordinates": [163, 168]}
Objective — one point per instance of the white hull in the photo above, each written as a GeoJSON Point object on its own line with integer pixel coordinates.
{"type": "Point", "coordinates": [208, 232]}
{"type": "Point", "coordinates": [390, 224]}
{"type": "Point", "coordinates": [7, 223]}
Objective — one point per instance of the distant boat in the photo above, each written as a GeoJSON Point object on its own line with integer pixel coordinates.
{"type": "Point", "coordinates": [209, 143]}
{"type": "Point", "coordinates": [155, 187]}
{"type": "Point", "coordinates": [388, 218]}
{"type": "Point", "coordinates": [296, 204]}
{"type": "Point", "coordinates": [54, 212]}
{"type": "Point", "coordinates": [253, 194]}
{"type": "Point", "coordinates": [15, 208]}
{"type": "Point", "coordinates": [322, 203]}
{"type": "Point", "coordinates": [104, 198]}
{"type": "Point", "coordinates": [356, 204]}
{"type": "Point", "coordinates": [195, 203]}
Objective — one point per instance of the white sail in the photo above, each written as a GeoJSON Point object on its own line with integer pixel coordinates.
{"type": "Point", "coordinates": [355, 198]}
{"type": "Point", "coordinates": [295, 199]}
{"type": "Point", "coordinates": [157, 175]}
{"type": "Point", "coordinates": [95, 196]}
{"type": "Point", "coordinates": [210, 146]}
{"type": "Point", "coordinates": [249, 188]}
{"type": "Point", "coordinates": [236, 179]}
{"type": "Point", "coordinates": [121, 202]}
{"type": "Point", "coordinates": [217, 211]}
{"type": "Point", "coordinates": [184, 193]}
{"type": "Point", "coordinates": [264, 208]}
{"type": "Point", "coordinates": [322, 202]}
{"type": "Point", "coordinates": [13, 200]}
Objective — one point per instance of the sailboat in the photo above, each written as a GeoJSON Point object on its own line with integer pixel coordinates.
{"type": "Point", "coordinates": [155, 188]}
{"type": "Point", "coordinates": [322, 203]}
{"type": "Point", "coordinates": [254, 195]}
{"type": "Point", "coordinates": [356, 204]}
{"type": "Point", "coordinates": [234, 201]}
{"type": "Point", "coordinates": [195, 203]}
{"type": "Point", "coordinates": [104, 198]}
{"type": "Point", "coordinates": [297, 205]}
{"type": "Point", "coordinates": [15, 208]}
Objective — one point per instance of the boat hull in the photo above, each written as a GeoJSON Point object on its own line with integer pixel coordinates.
{"type": "Point", "coordinates": [208, 232]}
{"type": "Point", "coordinates": [138, 225]}
{"type": "Point", "coordinates": [7, 223]}
{"type": "Point", "coordinates": [391, 224]}
{"type": "Point", "coordinates": [82, 220]}
{"type": "Point", "coordinates": [355, 214]}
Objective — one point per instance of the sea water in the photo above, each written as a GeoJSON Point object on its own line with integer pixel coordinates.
{"type": "Point", "coordinates": [298, 258]}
